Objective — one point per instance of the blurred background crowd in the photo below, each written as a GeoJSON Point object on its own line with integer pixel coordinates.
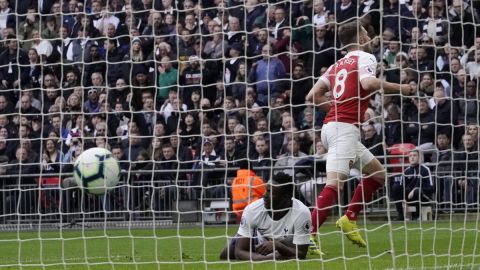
{"type": "Point", "coordinates": [175, 86]}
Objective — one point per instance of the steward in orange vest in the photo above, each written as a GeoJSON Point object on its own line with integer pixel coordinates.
{"type": "Point", "coordinates": [246, 188]}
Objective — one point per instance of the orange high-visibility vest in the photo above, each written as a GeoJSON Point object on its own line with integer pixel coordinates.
{"type": "Point", "coordinates": [246, 188]}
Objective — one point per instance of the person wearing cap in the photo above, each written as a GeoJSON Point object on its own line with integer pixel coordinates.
{"type": "Point", "coordinates": [208, 158]}
{"type": "Point", "coordinates": [276, 226]}
{"type": "Point", "coordinates": [207, 21]}
{"type": "Point", "coordinates": [92, 105]}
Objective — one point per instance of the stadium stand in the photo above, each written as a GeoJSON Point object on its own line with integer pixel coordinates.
{"type": "Point", "coordinates": [143, 78]}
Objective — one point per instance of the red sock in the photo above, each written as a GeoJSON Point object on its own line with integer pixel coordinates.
{"type": "Point", "coordinates": [367, 186]}
{"type": "Point", "coordinates": [325, 200]}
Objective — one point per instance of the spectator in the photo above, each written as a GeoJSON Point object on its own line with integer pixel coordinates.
{"type": "Point", "coordinates": [119, 93]}
{"type": "Point", "coordinates": [300, 86]}
{"type": "Point", "coordinates": [21, 165]}
{"type": "Point", "coordinates": [281, 23]}
{"type": "Point", "coordinates": [6, 150]}
{"type": "Point", "coordinates": [346, 11]}
{"type": "Point", "coordinates": [445, 110]}
{"type": "Point", "coordinates": [279, 140]}
{"type": "Point", "coordinates": [26, 106]}
{"type": "Point", "coordinates": [473, 131]}
{"type": "Point", "coordinates": [261, 158]}
{"type": "Point", "coordinates": [14, 62]}
{"type": "Point", "coordinates": [167, 79]}
{"type": "Point", "coordinates": [176, 116]}
{"type": "Point", "coordinates": [71, 79]}
{"type": "Point", "coordinates": [92, 105]}
{"type": "Point", "coordinates": [420, 59]}
{"type": "Point", "coordinates": [420, 128]}
{"type": "Point", "coordinates": [51, 30]}
{"type": "Point", "coordinates": [232, 156]}
{"type": "Point", "coordinates": [234, 34]}
{"type": "Point", "coordinates": [246, 188]}
{"type": "Point", "coordinates": [266, 74]}
{"type": "Point", "coordinates": [320, 16]}
{"type": "Point", "coordinates": [393, 126]}
{"type": "Point", "coordinates": [169, 166]}
{"type": "Point", "coordinates": [119, 155]}
{"type": "Point", "coordinates": [207, 158]}
{"type": "Point", "coordinates": [396, 17]}
{"type": "Point", "coordinates": [473, 67]}
{"type": "Point", "coordinates": [133, 147]}
{"type": "Point", "coordinates": [417, 186]}
{"type": "Point", "coordinates": [468, 104]}
{"type": "Point", "coordinates": [215, 47]}
{"type": "Point", "coordinates": [5, 106]}
{"type": "Point", "coordinates": [51, 158]}
{"type": "Point", "coordinates": [442, 157]}
{"type": "Point", "coordinates": [94, 68]}
{"type": "Point", "coordinates": [288, 160]}
{"type": "Point", "coordinates": [232, 66]}
{"type": "Point", "coordinates": [191, 78]}
{"type": "Point", "coordinates": [185, 45]}
{"type": "Point", "coordinates": [189, 130]}
{"type": "Point", "coordinates": [183, 153]}
{"type": "Point", "coordinates": [256, 42]}
{"type": "Point", "coordinates": [466, 162]}
{"type": "Point", "coordinates": [436, 27]}
{"type": "Point", "coordinates": [372, 140]}
{"type": "Point", "coordinates": [113, 57]}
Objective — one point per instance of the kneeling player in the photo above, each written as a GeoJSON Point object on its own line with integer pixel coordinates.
{"type": "Point", "coordinates": [275, 227]}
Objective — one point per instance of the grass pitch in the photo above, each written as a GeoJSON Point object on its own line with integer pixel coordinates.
{"type": "Point", "coordinates": [413, 245]}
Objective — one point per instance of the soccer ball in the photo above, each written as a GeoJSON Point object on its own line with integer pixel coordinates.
{"type": "Point", "coordinates": [96, 171]}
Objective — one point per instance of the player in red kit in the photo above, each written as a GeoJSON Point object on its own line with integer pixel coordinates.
{"type": "Point", "coordinates": [351, 82]}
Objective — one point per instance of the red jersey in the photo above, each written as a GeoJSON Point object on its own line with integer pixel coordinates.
{"type": "Point", "coordinates": [348, 100]}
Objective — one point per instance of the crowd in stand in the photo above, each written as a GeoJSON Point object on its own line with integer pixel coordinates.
{"type": "Point", "coordinates": [179, 85]}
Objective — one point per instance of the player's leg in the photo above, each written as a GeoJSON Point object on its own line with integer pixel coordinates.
{"type": "Point", "coordinates": [327, 198]}
{"type": "Point", "coordinates": [338, 138]}
{"type": "Point", "coordinates": [325, 201]}
{"type": "Point", "coordinates": [375, 178]}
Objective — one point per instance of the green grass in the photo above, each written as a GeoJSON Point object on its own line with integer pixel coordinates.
{"type": "Point", "coordinates": [415, 246]}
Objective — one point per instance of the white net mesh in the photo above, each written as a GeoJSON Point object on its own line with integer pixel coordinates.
{"type": "Point", "coordinates": [184, 92]}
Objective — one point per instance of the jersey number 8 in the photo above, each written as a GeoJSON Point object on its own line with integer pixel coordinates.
{"type": "Point", "coordinates": [340, 79]}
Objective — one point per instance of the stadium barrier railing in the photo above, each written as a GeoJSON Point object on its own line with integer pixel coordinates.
{"type": "Point", "coordinates": [158, 199]}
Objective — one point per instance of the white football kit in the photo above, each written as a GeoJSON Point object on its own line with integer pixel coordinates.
{"type": "Point", "coordinates": [294, 227]}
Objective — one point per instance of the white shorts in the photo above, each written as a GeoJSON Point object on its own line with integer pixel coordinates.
{"type": "Point", "coordinates": [345, 151]}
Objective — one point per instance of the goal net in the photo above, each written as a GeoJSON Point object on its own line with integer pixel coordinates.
{"type": "Point", "coordinates": [186, 93]}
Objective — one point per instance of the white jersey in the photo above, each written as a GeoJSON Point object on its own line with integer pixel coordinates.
{"type": "Point", "coordinates": [294, 226]}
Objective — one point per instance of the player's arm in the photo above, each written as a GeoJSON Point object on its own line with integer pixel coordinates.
{"type": "Point", "coordinates": [286, 250]}
{"type": "Point", "coordinates": [243, 251]}
{"type": "Point", "coordinates": [243, 246]}
{"type": "Point", "coordinates": [318, 94]}
{"type": "Point", "coordinates": [373, 84]}
{"type": "Point", "coordinates": [367, 66]}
